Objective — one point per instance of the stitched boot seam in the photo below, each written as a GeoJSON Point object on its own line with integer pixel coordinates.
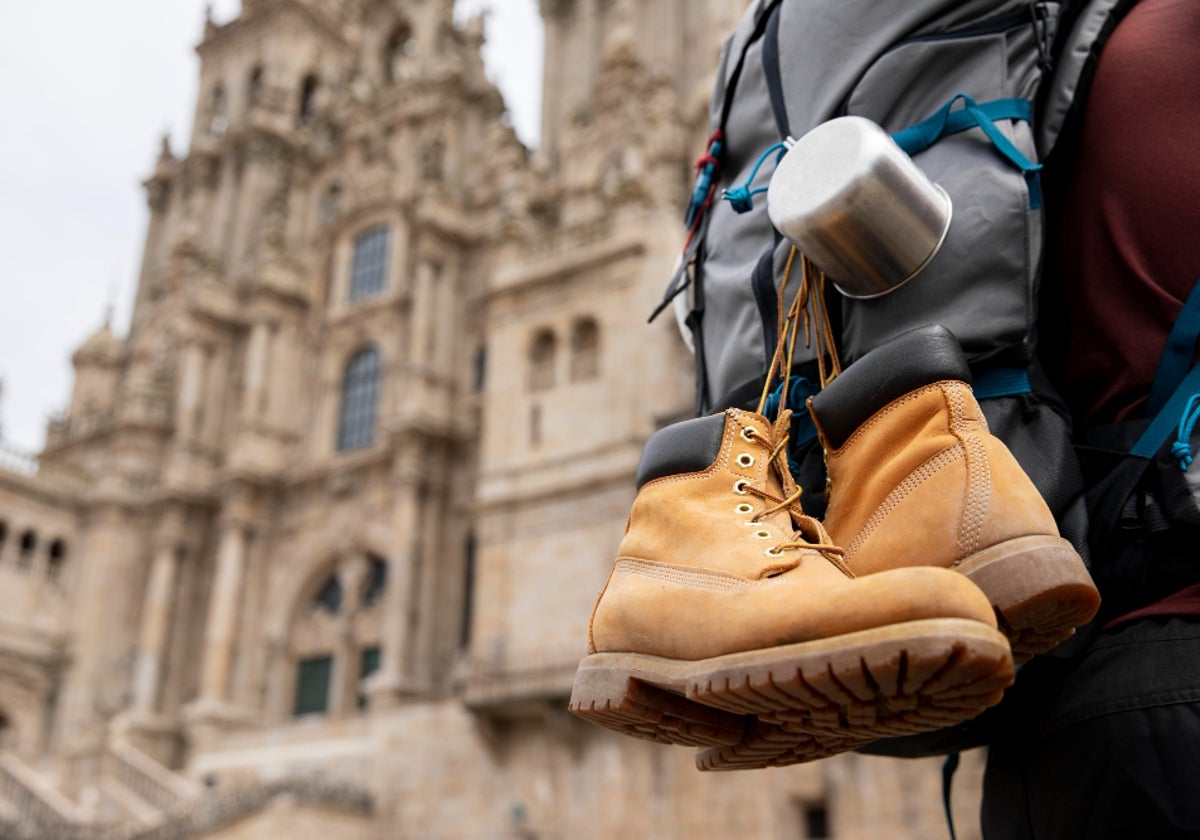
{"type": "Point", "coordinates": [923, 472]}
{"type": "Point", "coordinates": [979, 479]}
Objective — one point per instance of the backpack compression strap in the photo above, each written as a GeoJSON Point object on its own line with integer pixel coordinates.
{"type": "Point", "coordinates": [949, 121]}
{"type": "Point", "coordinates": [1176, 382]}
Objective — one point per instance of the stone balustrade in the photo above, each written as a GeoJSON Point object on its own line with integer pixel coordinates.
{"type": "Point", "coordinates": [41, 810]}
{"type": "Point", "coordinates": [146, 778]}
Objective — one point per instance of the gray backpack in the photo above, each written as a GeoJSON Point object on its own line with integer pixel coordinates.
{"type": "Point", "coordinates": [917, 68]}
{"type": "Point", "coordinates": [974, 90]}
{"type": "Point", "coordinates": [793, 65]}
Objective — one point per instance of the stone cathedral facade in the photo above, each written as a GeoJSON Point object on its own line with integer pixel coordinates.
{"type": "Point", "coordinates": [311, 551]}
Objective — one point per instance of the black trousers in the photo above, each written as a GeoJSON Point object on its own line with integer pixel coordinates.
{"type": "Point", "coordinates": [1104, 745]}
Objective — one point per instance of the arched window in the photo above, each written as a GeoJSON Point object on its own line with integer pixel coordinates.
{"type": "Point", "coordinates": [360, 399]}
{"type": "Point", "coordinates": [368, 272]}
{"type": "Point", "coordinates": [308, 98]}
{"type": "Point", "coordinates": [254, 85]}
{"type": "Point", "coordinates": [28, 547]}
{"type": "Point", "coordinates": [218, 120]}
{"type": "Point", "coordinates": [585, 350]}
{"type": "Point", "coordinates": [335, 636]}
{"type": "Point", "coordinates": [542, 353]}
{"type": "Point", "coordinates": [56, 560]}
{"type": "Point", "coordinates": [398, 45]}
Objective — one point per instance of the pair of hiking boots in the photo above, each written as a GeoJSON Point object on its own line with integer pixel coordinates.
{"type": "Point", "coordinates": [734, 622]}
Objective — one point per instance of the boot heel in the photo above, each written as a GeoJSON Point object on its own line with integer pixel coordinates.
{"type": "Point", "coordinates": [607, 692]}
{"type": "Point", "coordinates": [1040, 588]}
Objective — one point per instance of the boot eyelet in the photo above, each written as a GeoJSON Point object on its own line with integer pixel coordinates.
{"type": "Point", "coordinates": [739, 486]}
{"type": "Point", "coordinates": [763, 535]}
{"type": "Point", "coordinates": [745, 460]}
{"type": "Point", "coordinates": [744, 508]}
{"type": "Point", "coordinates": [749, 435]}
{"type": "Point", "coordinates": [774, 551]}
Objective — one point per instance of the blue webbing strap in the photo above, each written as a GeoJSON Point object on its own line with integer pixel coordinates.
{"type": "Point", "coordinates": [1178, 354]}
{"type": "Point", "coordinates": [1000, 382]}
{"type": "Point", "coordinates": [1167, 417]}
{"type": "Point", "coordinates": [949, 121]}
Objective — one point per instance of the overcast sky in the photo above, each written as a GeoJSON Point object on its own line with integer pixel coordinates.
{"type": "Point", "coordinates": [87, 90]}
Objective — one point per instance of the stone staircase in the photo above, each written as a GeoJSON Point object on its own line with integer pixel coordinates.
{"type": "Point", "coordinates": [133, 795]}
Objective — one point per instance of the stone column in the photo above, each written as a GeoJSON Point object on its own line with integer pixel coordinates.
{"type": "Point", "coordinates": [344, 680]}
{"type": "Point", "coordinates": [431, 542]}
{"type": "Point", "coordinates": [424, 315]}
{"type": "Point", "coordinates": [448, 335]}
{"type": "Point", "coordinates": [389, 681]}
{"type": "Point", "coordinates": [190, 388]}
{"type": "Point", "coordinates": [256, 369]}
{"type": "Point", "coordinates": [221, 626]}
{"type": "Point", "coordinates": [155, 632]}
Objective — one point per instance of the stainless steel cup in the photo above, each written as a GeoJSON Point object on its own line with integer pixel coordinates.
{"type": "Point", "coordinates": [858, 207]}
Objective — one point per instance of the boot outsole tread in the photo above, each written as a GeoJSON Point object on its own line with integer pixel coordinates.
{"type": "Point", "coordinates": [797, 703]}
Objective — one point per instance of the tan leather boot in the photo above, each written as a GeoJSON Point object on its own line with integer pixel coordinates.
{"type": "Point", "coordinates": [916, 479]}
{"type": "Point", "coordinates": [725, 600]}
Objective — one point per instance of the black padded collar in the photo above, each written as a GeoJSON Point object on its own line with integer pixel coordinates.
{"type": "Point", "coordinates": [907, 362]}
{"type": "Point", "coordinates": [690, 446]}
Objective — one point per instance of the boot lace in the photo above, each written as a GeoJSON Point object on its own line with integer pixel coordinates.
{"type": "Point", "coordinates": [808, 308]}
{"type": "Point", "coordinates": [808, 532]}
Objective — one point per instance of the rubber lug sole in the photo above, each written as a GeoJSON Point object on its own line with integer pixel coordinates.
{"type": "Point", "coordinates": [767, 745]}
{"type": "Point", "coordinates": [1040, 588]}
{"type": "Point", "coordinates": [895, 680]}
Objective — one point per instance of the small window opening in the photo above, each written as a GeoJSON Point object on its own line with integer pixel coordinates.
{"type": "Point", "coordinates": [468, 606]}
{"type": "Point", "coordinates": [312, 685]}
{"type": "Point", "coordinates": [218, 120]}
{"type": "Point", "coordinates": [308, 98]}
{"type": "Point", "coordinates": [330, 205]}
{"type": "Point", "coordinates": [376, 582]}
{"type": "Point", "coordinates": [254, 87]}
{"type": "Point", "coordinates": [28, 547]}
{"type": "Point", "coordinates": [542, 354]}
{"type": "Point", "coordinates": [480, 370]}
{"type": "Point", "coordinates": [398, 46]}
{"type": "Point", "coordinates": [329, 596]}
{"type": "Point", "coordinates": [57, 557]}
{"type": "Point", "coordinates": [585, 350]}
{"type": "Point", "coordinates": [816, 821]}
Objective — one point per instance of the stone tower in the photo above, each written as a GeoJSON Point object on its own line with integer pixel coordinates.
{"type": "Point", "coordinates": [329, 521]}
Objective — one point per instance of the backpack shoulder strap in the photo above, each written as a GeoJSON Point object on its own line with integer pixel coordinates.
{"type": "Point", "coordinates": [1084, 30]}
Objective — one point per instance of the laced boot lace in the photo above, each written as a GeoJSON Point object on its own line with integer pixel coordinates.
{"type": "Point", "coordinates": [808, 532]}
